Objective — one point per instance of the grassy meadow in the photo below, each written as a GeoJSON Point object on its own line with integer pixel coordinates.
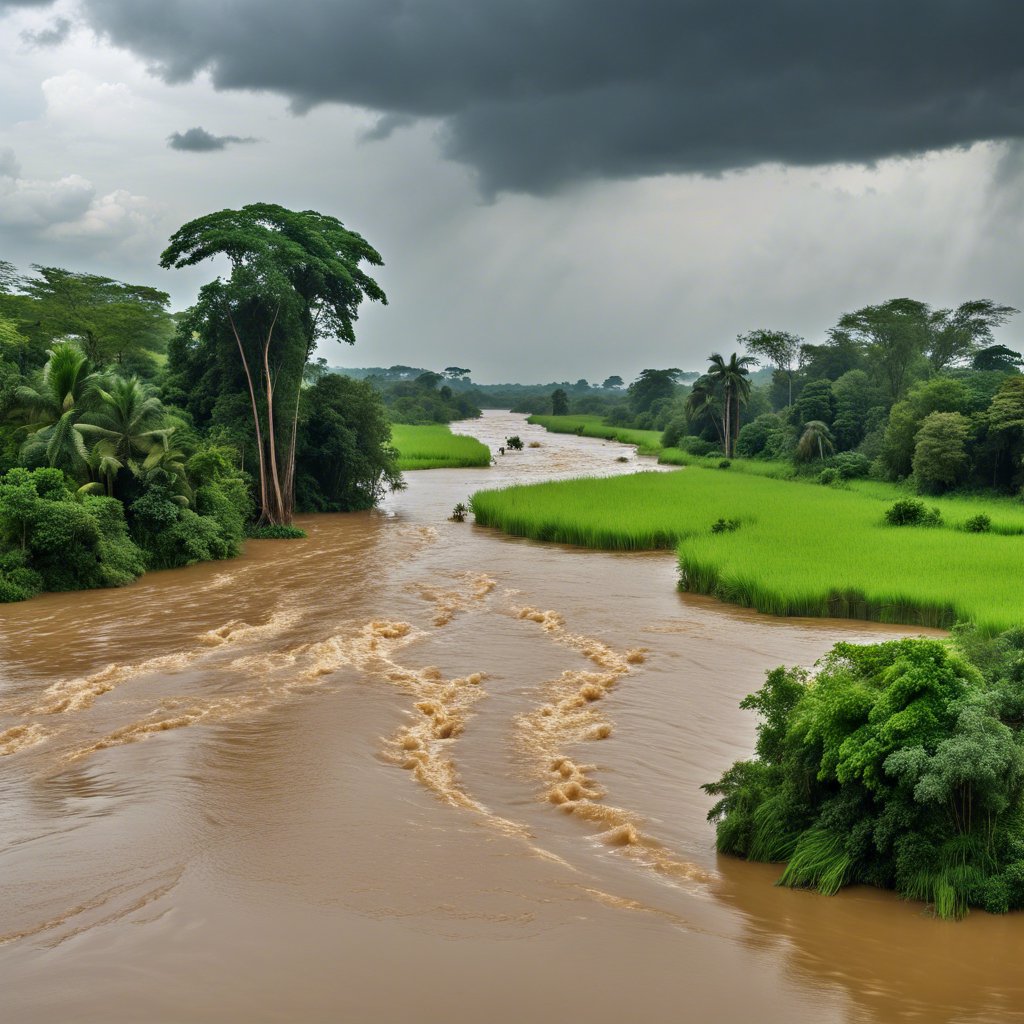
{"type": "Point", "coordinates": [434, 446]}
{"type": "Point", "coordinates": [799, 548]}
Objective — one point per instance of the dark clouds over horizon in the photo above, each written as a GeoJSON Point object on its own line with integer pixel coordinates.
{"type": "Point", "coordinates": [535, 95]}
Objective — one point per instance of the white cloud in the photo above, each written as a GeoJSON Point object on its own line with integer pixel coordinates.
{"type": "Point", "coordinates": [69, 207]}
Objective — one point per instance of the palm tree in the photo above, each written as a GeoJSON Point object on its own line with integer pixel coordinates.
{"type": "Point", "coordinates": [703, 404]}
{"type": "Point", "coordinates": [126, 425]}
{"type": "Point", "coordinates": [816, 438]}
{"type": "Point", "coordinates": [66, 387]}
{"type": "Point", "coordinates": [733, 380]}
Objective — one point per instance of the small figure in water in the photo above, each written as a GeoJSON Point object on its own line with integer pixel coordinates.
{"type": "Point", "coordinates": [501, 451]}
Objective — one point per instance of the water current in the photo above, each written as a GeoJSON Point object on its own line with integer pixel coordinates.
{"type": "Point", "coordinates": [413, 770]}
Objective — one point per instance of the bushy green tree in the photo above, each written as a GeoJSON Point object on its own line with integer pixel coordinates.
{"type": "Point", "coordinates": [940, 452]}
{"type": "Point", "coordinates": [345, 458]}
{"type": "Point", "coordinates": [900, 765]}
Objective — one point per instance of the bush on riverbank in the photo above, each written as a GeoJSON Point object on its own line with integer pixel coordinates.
{"type": "Point", "coordinates": [900, 765]}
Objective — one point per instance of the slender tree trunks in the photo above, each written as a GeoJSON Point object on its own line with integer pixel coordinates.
{"type": "Point", "coordinates": [277, 499]}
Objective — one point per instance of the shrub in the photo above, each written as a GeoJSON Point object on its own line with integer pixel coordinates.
{"type": "Point", "coordinates": [912, 512]}
{"type": "Point", "coordinates": [276, 533]}
{"type": "Point", "coordinates": [697, 446]}
{"type": "Point", "coordinates": [674, 432]}
{"type": "Point", "coordinates": [459, 513]}
{"type": "Point", "coordinates": [852, 465]}
{"type": "Point", "coordinates": [725, 526]}
{"type": "Point", "coordinates": [980, 523]}
{"type": "Point", "coordinates": [724, 464]}
{"type": "Point", "coordinates": [829, 476]}
{"type": "Point", "coordinates": [515, 442]}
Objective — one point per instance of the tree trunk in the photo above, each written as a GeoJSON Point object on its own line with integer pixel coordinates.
{"type": "Point", "coordinates": [255, 419]}
{"type": "Point", "coordinates": [277, 515]}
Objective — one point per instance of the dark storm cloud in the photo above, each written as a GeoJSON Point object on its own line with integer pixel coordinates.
{"type": "Point", "coordinates": [535, 94]}
{"type": "Point", "coordinates": [199, 140]}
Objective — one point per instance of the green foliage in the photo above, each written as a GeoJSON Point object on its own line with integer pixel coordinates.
{"type": "Point", "coordinates": [559, 403]}
{"type": "Point", "coordinates": [912, 512]}
{"type": "Point", "coordinates": [940, 452]}
{"type": "Point", "coordinates": [515, 443]}
{"type": "Point", "coordinates": [459, 513]}
{"type": "Point", "coordinates": [278, 532]}
{"type": "Point", "coordinates": [344, 456]}
{"type": "Point", "coordinates": [724, 463]}
{"type": "Point", "coordinates": [421, 401]}
{"type": "Point", "coordinates": [829, 476]}
{"type": "Point", "coordinates": [725, 525]}
{"type": "Point", "coordinates": [54, 539]}
{"type": "Point", "coordinates": [899, 765]}
{"type": "Point", "coordinates": [980, 523]}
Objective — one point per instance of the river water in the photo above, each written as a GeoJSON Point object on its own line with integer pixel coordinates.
{"type": "Point", "coordinates": [413, 770]}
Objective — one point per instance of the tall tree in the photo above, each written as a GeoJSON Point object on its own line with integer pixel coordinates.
{"type": "Point", "coordinates": [780, 348]}
{"type": "Point", "coordinates": [896, 334]}
{"type": "Point", "coordinates": [957, 334]}
{"type": "Point", "coordinates": [295, 277]}
{"type": "Point", "coordinates": [732, 379]}
{"type": "Point", "coordinates": [652, 386]}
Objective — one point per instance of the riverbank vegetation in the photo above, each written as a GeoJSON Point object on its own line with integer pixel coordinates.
{"type": "Point", "coordinates": [899, 765]}
{"type": "Point", "coordinates": [131, 439]}
{"type": "Point", "coordinates": [436, 447]}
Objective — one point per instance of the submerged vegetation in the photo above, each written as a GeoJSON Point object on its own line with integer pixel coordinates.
{"type": "Point", "coordinates": [436, 447]}
{"type": "Point", "coordinates": [899, 765]}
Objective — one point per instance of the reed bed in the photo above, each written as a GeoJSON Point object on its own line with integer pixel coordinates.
{"type": "Point", "coordinates": [434, 446]}
{"type": "Point", "coordinates": [799, 549]}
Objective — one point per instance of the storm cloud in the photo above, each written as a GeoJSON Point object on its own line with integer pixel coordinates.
{"type": "Point", "coordinates": [535, 95]}
{"type": "Point", "coordinates": [199, 140]}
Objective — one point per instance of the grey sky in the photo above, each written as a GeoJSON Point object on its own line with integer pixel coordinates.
{"type": "Point", "coordinates": [558, 189]}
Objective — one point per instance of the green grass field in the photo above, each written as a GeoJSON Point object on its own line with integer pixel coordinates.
{"type": "Point", "coordinates": [800, 549]}
{"type": "Point", "coordinates": [436, 447]}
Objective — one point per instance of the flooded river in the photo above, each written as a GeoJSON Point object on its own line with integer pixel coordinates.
{"type": "Point", "coordinates": [412, 770]}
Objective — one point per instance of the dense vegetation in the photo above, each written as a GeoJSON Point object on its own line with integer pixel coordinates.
{"type": "Point", "coordinates": [898, 765]}
{"type": "Point", "coordinates": [131, 439]}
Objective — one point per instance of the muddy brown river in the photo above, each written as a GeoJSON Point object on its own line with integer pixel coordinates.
{"type": "Point", "coordinates": [412, 770]}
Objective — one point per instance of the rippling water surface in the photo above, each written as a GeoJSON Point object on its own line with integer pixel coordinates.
{"type": "Point", "coordinates": [408, 769]}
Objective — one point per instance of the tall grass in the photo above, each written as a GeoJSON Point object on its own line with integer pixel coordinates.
{"type": "Point", "coordinates": [800, 549]}
{"type": "Point", "coordinates": [435, 447]}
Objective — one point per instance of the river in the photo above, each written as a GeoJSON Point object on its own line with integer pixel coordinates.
{"type": "Point", "coordinates": [413, 770]}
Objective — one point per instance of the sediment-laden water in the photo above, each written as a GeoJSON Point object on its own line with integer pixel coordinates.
{"type": "Point", "coordinates": [412, 770]}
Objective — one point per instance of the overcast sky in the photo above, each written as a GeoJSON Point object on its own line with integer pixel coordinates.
{"type": "Point", "coordinates": [559, 188]}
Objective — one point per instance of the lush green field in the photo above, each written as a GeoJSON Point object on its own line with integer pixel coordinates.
{"type": "Point", "coordinates": [648, 442]}
{"type": "Point", "coordinates": [800, 549]}
{"type": "Point", "coordinates": [436, 447]}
